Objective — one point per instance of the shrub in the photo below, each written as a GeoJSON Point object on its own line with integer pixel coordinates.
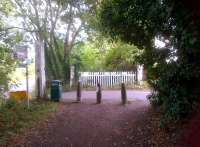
{"type": "Point", "coordinates": [15, 116]}
{"type": "Point", "coordinates": [174, 89]}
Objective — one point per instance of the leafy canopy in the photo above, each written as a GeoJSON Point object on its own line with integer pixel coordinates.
{"type": "Point", "coordinates": [122, 56]}
{"type": "Point", "coordinates": [173, 70]}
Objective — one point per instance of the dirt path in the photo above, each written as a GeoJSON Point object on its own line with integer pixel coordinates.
{"type": "Point", "coordinates": [87, 124]}
{"type": "Point", "coordinates": [108, 96]}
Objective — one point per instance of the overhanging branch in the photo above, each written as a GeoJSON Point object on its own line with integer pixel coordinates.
{"type": "Point", "coordinates": [25, 29]}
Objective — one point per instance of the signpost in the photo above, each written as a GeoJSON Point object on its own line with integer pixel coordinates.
{"type": "Point", "coordinates": [21, 53]}
{"type": "Point", "coordinates": [27, 84]}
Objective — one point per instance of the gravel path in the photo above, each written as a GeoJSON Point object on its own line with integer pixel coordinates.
{"type": "Point", "coordinates": [88, 124]}
{"type": "Point", "coordinates": [108, 96]}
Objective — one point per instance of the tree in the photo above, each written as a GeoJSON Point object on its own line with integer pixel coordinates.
{"type": "Point", "coordinates": [113, 56]}
{"type": "Point", "coordinates": [7, 65]}
{"type": "Point", "coordinates": [55, 19]}
{"type": "Point", "coordinates": [74, 17]}
{"type": "Point", "coordinates": [122, 56]}
{"type": "Point", "coordinates": [7, 62]}
{"type": "Point", "coordinates": [173, 70]}
{"type": "Point", "coordinates": [88, 57]}
{"type": "Point", "coordinates": [52, 23]}
{"type": "Point", "coordinates": [34, 22]}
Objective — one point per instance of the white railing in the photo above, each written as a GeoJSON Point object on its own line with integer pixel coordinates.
{"type": "Point", "coordinates": [107, 79]}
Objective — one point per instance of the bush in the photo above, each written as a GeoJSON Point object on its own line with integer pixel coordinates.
{"type": "Point", "coordinates": [173, 89]}
{"type": "Point", "coordinates": [15, 116]}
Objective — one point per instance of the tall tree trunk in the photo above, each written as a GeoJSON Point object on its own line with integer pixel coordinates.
{"type": "Point", "coordinates": [67, 69]}
{"type": "Point", "coordinates": [40, 68]}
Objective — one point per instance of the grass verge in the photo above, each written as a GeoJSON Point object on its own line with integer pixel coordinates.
{"type": "Point", "coordinates": [15, 117]}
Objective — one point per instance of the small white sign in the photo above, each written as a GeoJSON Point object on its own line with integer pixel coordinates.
{"type": "Point", "coordinates": [21, 52]}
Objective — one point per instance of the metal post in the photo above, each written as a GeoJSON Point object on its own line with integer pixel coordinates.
{"type": "Point", "coordinates": [27, 86]}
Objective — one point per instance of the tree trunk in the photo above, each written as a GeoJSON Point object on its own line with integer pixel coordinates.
{"type": "Point", "coordinates": [40, 68]}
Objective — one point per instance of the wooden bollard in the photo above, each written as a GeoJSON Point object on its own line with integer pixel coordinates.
{"type": "Point", "coordinates": [123, 94]}
{"type": "Point", "coordinates": [79, 91]}
{"type": "Point", "coordinates": [99, 94]}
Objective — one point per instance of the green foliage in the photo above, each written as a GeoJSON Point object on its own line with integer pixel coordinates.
{"type": "Point", "coordinates": [6, 6]}
{"type": "Point", "coordinates": [132, 21]}
{"type": "Point", "coordinates": [173, 70]}
{"type": "Point", "coordinates": [14, 117]}
{"type": "Point", "coordinates": [173, 90]}
{"type": "Point", "coordinates": [88, 57]}
{"type": "Point", "coordinates": [92, 56]}
{"type": "Point", "coordinates": [7, 40]}
{"type": "Point", "coordinates": [122, 56]}
{"type": "Point", "coordinates": [54, 60]}
{"type": "Point", "coordinates": [7, 65]}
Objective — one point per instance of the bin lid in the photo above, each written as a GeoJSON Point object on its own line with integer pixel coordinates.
{"type": "Point", "coordinates": [55, 82]}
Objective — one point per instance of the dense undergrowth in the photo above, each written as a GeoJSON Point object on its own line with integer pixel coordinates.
{"type": "Point", "coordinates": [16, 116]}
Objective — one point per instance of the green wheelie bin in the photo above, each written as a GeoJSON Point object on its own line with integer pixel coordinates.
{"type": "Point", "coordinates": [56, 90]}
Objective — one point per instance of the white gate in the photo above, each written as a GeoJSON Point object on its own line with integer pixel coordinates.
{"type": "Point", "coordinates": [107, 79]}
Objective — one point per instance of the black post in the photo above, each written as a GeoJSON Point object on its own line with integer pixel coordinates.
{"type": "Point", "coordinates": [123, 94]}
{"type": "Point", "coordinates": [79, 91]}
{"type": "Point", "coordinates": [99, 94]}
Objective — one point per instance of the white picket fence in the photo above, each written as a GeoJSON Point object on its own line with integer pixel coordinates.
{"type": "Point", "coordinates": [107, 79]}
